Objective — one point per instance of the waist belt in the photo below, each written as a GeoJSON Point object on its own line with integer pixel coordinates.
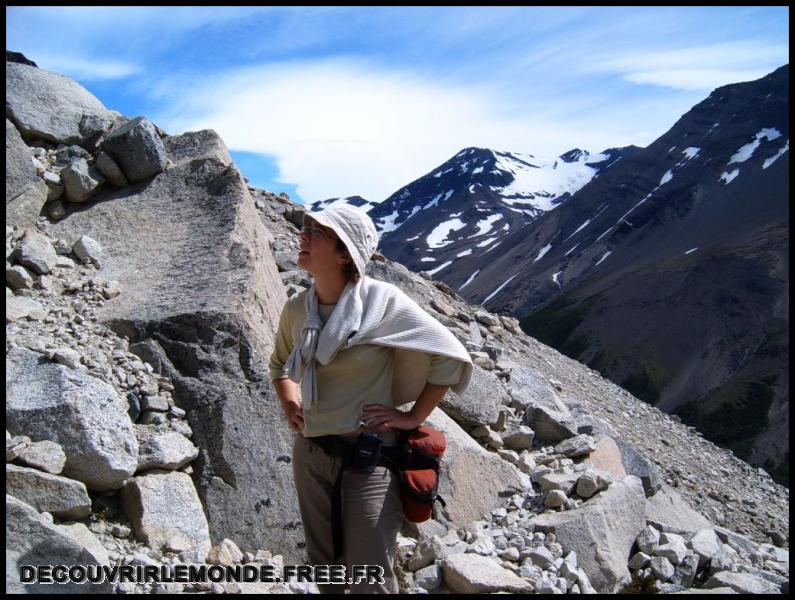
{"type": "Point", "coordinates": [338, 447]}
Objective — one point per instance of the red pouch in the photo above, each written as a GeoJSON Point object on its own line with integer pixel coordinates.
{"type": "Point", "coordinates": [422, 450]}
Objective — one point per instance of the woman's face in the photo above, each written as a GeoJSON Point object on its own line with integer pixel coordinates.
{"type": "Point", "coordinates": [318, 250]}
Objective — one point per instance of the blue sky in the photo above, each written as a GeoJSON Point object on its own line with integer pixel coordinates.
{"type": "Point", "coordinates": [324, 102]}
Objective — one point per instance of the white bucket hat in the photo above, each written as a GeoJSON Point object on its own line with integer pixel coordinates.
{"type": "Point", "coordinates": [354, 227]}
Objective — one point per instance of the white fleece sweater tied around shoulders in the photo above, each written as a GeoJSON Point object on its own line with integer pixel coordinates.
{"type": "Point", "coordinates": [369, 312]}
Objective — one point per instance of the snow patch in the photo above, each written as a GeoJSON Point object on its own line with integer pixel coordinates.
{"type": "Point", "coordinates": [437, 269]}
{"type": "Point", "coordinates": [690, 152]}
{"type": "Point", "coordinates": [666, 178]}
{"type": "Point", "coordinates": [413, 238]}
{"type": "Point", "coordinates": [468, 281]}
{"type": "Point", "coordinates": [495, 292]}
{"type": "Point", "coordinates": [428, 259]}
{"type": "Point", "coordinates": [572, 249]}
{"type": "Point", "coordinates": [747, 151]}
{"type": "Point", "coordinates": [691, 250]}
{"type": "Point", "coordinates": [388, 223]}
{"type": "Point", "coordinates": [485, 225]}
{"type": "Point", "coordinates": [486, 242]}
{"type": "Point", "coordinates": [727, 178]}
{"type": "Point", "coordinates": [464, 253]}
{"type": "Point", "coordinates": [772, 159]}
{"type": "Point", "coordinates": [555, 277]}
{"type": "Point", "coordinates": [543, 251]}
{"type": "Point", "coordinates": [478, 170]}
{"type": "Point", "coordinates": [604, 256]}
{"type": "Point", "coordinates": [437, 237]}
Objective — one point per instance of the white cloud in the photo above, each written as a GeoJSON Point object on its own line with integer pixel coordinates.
{"type": "Point", "coordinates": [699, 67]}
{"type": "Point", "coordinates": [343, 127]}
{"type": "Point", "coordinates": [86, 69]}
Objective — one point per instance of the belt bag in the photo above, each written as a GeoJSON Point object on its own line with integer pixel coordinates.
{"type": "Point", "coordinates": [422, 450]}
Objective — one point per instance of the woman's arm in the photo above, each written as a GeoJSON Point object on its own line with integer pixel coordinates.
{"type": "Point", "coordinates": [287, 391]}
{"type": "Point", "coordinates": [379, 419]}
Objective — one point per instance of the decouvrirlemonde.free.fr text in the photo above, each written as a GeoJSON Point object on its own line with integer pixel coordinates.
{"type": "Point", "coordinates": [323, 574]}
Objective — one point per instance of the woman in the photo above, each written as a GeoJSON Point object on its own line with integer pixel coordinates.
{"type": "Point", "coordinates": [338, 340]}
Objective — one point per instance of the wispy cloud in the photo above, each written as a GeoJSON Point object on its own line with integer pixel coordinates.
{"type": "Point", "coordinates": [698, 67]}
{"type": "Point", "coordinates": [87, 69]}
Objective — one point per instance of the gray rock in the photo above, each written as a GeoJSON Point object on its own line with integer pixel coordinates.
{"type": "Point", "coordinates": [675, 551]}
{"type": "Point", "coordinates": [481, 402]}
{"type": "Point", "coordinates": [429, 578]}
{"type": "Point", "coordinates": [18, 278]}
{"type": "Point", "coordinates": [164, 507]}
{"type": "Point", "coordinates": [564, 482]}
{"type": "Point", "coordinates": [87, 248]}
{"type": "Point", "coordinates": [668, 510]}
{"type": "Point", "coordinates": [197, 145]}
{"type": "Point", "coordinates": [549, 425]}
{"type": "Point", "coordinates": [45, 455]}
{"type": "Point", "coordinates": [81, 181]}
{"type": "Point", "coordinates": [601, 532]}
{"type": "Point", "coordinates": [705, 544]}
{"type": "Point", "coordinates": [87, 539]}
{"type": "Point", "coordinates": [662, 568]}
{"type": "Point", "coordinates": [638, 465]}
{"type": "Point", "coordinates": [19, 307]}
{"type": "Point", "coordinates": [81, 413]}
{"type": "Point", "coordinates": [541, 557]}
{"type": "Point", "coordinates": [519, 438]}
{"type": "Point", "coordinates": [169, 450]}
{"type": "Point", "coordinates": [67, 357]}
{"type": "Point", "coordinates": [108, 167]}
{"type": "Point", "coordinates": [137, 149]}
{"type": "Point", "coordinates": [36, 252]}
{"type": "Point", "coordinates": [639, 560]}
{"type": "Point", "coordinates": [648, 539]}
{"type": "Point", "coordinates": [48, 106]}
{"type": "Point", "coordinates": [742, 583]}
{"type": "Point", "coordinates": [26, 193]}
{"type": "Point", "coordinates": [472, 480]}
{"type": "Point", "coordinates": [64, 498]}
{"type": "Point", "coordinates": [579, 445]}
{"type": "Point", "coordinates": [474, 574]}
{"type": "Point", "coordinates": [686, 570]}
{"type": "Point", "coordinates": [33, 540]}
{"type": "Point", "coordinates": [15, 445]}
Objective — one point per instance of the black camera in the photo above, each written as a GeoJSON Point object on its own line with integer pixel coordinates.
{"type": "Point", "coordinates": [367, 452]}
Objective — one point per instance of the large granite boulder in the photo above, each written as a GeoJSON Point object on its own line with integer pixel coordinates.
{"type": "Point", "coordinates": [204, 309]}
{"type": "Point", "coordinates": [33, 540]}
{"type": "Point", "coordinates": [63, 497]}
{"type": "Point", "coordinates": [166, 511]}
{"type": "Point", "coordinates": [667, 511]}
{"type": "Point", "coordinates": [86, 416]}
{"type": "Point", "coordinates": [601, 532]}
{"type": "Point", "coordinates": [26, 192]}
{"type": "Point", "coordinates": [48, 106]}
{"type": "Point", "coordinates": [473, 481]}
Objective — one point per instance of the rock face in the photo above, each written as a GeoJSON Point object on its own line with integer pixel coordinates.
{"type": "Point", "coordinates": [207, 313]}
{"type": "Point", "coordinates": [48, 106]}
{"type": "Point", "coordinates": [26, 192]}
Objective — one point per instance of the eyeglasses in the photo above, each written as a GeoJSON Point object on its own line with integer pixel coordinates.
{"type": "Point", "coordinates": [315, 232]}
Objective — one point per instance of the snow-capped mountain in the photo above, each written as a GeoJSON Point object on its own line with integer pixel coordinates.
{"type": "Point", "coordinates": [469, 205]}
{"type": "Point", "coordinates": [669, 273]}
{"type": "Point", "coordinates": [357, 201]}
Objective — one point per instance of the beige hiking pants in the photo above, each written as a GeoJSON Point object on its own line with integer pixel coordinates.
{"type": "Point", "coordinates": [372, 515]}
